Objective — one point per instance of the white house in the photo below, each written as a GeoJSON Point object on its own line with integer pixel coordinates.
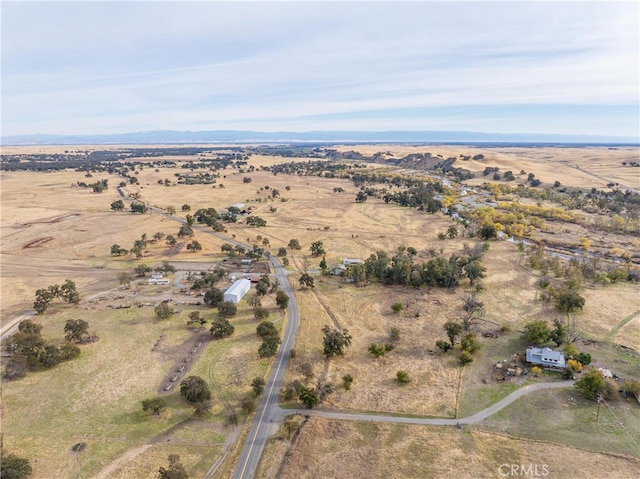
{"type": "Point", "coordinates": [546, 357]}
{"type": "Point", "coordinates": [237, 290]}
{"type": "Point", "coordinates": [348, 261]}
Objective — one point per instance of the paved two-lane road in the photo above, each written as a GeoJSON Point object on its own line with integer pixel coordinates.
{"type": "Point", "coordinates": [269, 413]}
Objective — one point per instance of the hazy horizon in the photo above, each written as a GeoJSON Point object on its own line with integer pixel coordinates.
{"type": "Point", "coordinates": [93, 68]}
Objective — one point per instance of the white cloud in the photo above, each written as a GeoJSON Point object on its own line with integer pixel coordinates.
{"type": "Point", "coordinates": [90, 68]}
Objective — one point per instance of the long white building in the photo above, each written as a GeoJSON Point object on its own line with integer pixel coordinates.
{"type": "Point", "coordinates": [237, 290]}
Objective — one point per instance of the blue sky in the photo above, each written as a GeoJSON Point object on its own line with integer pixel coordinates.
{"type": "Point", "coordinates": [111, 67]}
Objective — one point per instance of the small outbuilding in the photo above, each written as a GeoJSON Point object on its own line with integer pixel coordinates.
{"type": "Point", "coordinates": [348, 261]}
{"type": "Point", "coordinates": [237, 291]}
{"type": "Point", "coordinates": [606, 373]}
{"type": "Point", "coordinates": [546, 357]}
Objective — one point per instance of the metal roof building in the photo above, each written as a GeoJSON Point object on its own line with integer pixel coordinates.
{"type": "Point", "coordinates": [546, 357]}
{"type": "Point", "coordinates": [237, 290]}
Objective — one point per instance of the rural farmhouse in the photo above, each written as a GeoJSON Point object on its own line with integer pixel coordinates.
{"type": "Point", "coordinates": [546, 357]}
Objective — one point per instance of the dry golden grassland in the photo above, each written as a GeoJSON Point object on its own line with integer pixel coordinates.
{"type": "Point", "coordinates": [369, 318]}
{"type": "Point", "coordinates": [586, 167]}
{"type": "Point", "coordinates": [51, 231]}
{"type": "Point", "coordinates": [358, 449]}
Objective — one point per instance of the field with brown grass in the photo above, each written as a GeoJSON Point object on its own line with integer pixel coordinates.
{"type": "Point", "coordinates": [357, 449]}
{"type": "Point", "coordinates": [52, 230]}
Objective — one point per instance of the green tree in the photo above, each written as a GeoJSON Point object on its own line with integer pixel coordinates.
{"type": "Point", "coordinates": [309, 397]}
{"type": "Point", "coordinates": [194, 246]}
{"type": "Point", "coordinates": [294, 244]}
{"type": "Point", "coordinates": [117, 205]}
{"type": "Point", "coordinates": [165, 267]}
{"type": "Point", "coordinates": [568, 300]}
{"type": "Point", "coordinates": [452, 329]}
{"type": "Point", "coordinates": [185, 230]}
{"type": "Point", "coordinates": [335, 341]}
{"type": "Point", "coordinates": [269, 346]}
{"type": "Point", "coordinates": [559, 333]}
{"type": "Point", "coordinates": [163, 311]}
{"type": "Point", "coordinates": [50, 357]}
{"type": "Point", "coordinates": [221, 328]}
{"type": "Point", "coordinates": [266, 328]}
{"type": "Point", "coordinates": [43, 299]}
{"type": "Point", "coordinates": [306, 281]}
{"type": "Point", "coordinates": [256, 221]}
{"type": "Point", "coordinates": [282, 251]}
{"type": "Point", "coordinates": [262, 288]}
{"type": "Point", "coordinates": [474, 270]}
{"type": "Point", "coordinates": [592, 384]}
{"type": "Point", "coordinates": [317, 248]}
{"type": "Point", "coordinates": [536, 332]}
{"type": "Point", "coordinates": [258, 386]}
{"type": "Point", "coordinates": [142, 269]}
{"type": "Point", "coordinates": [29, 327]}
{"type": "Point", "coordinates": [138, 207]}
{"type": "Point", "coordinates": [583, 358]}
{"type": "Point", "coordinates": [282, 300]}
{"type": "Point", "coordinates": [488, 232]}
{"type": "Point", "coordinates": [214, 297]}
{"type": "Point", "coordinates": [452, 231]}
{"type": "Point", "coordinates": [154, 405]}
{"type": "Point", "coordinates": [194, 389]}
{"type": "Point", "coordinates": [186, 207]}
{"type": "Point", "coordinates": [76, 329]}
{"type": "Point", "coordinates": [323, 264]}
{"type": "Point", "coordinates": [361, 197]}
{"type": "Point", "coordinates": [347, 381]}
{"type": "Point", "coordinates": [174, 471]}
{"type": "Point", "coordinates": [226, 309]}
{"type": "Point", "coordinates": [14, 467]}
{"type": "Point", "coordinates": [170, 240]}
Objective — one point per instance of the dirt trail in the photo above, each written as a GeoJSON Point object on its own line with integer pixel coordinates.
{"type": "Point", "coordinates": [121, 461]}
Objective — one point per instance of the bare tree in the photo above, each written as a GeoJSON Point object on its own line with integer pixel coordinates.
{"type": "Point", "coordinates": [473, 308]}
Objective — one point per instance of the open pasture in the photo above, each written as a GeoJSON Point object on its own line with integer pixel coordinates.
{"type": "Point", "coordinates": [52, 230]}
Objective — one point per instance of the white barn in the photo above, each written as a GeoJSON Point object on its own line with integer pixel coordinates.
{"type": "Point", "coordinates": [237, 290]}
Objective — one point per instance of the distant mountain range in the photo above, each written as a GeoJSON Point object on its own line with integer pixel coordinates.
{"type": "Point", "coordinates": [238, 136]}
